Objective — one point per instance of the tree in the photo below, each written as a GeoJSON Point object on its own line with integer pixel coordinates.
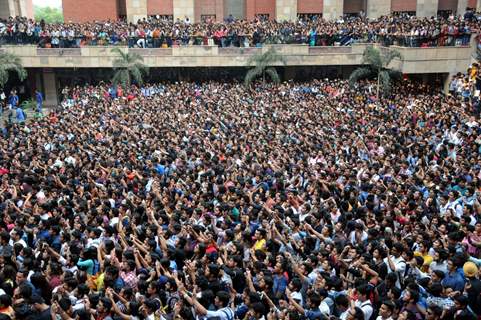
{"type": "Point", "coordinates": [10, 62]}
{"type": "Point", "coordinates": [376, 64]}
{"type": "Point", "coordinates": [128, 67]}
{"type": "Point", "coordinates": [48, 14]}
{"type": "Point", "coordinates": [263, 65]}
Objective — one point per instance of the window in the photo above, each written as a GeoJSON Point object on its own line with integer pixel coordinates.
{"type": "Point", "coordinates": [444, 13]}
{"type": "Point", "coordinates": [163, 17]}
{"type": "Point", "coordinates": [263, 16]}
{"type": "Point", "coordinates": [309, 16]}
{"type": "Point", "coordinates": [206, 18]}
{"type": "Point", "coordinates": [404, 13]}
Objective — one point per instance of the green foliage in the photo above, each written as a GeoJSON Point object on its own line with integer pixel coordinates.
{"type": "Point", "coordinates": [29, 104]}
{"type": "Point", "coordinates": [128, 67]}
{"type": "Point", "coordinates": [10, 62]}
{"type": "Point", "coordinates": [48, 14]}
{"type": "Point", "coordinates": [263, 65]}
{"type": "Point", "coordinates": [376, 64]}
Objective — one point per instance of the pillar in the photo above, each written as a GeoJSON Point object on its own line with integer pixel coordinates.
{"type": "Point", "coordinates": [286, 10]}
{"type": "Point", "coordinates": [377, 8]}
{"type": "Point", "coordinates": [7, 9]}
{"type": "Point", "coordinates": [447, 81]}
{"type": "Point", "coordinates": [236, 8]}
{"type": "Point", "coordinates": [427, 8]}
{"type": "Point", "coordinates": [184, 8]}
{"type": "Point", "coordinates": [478, 6]}
{"type": "Point", "coordinates": [50, 89]}
{"type": "Point", "coordinates": [461, 9]}
{"type": "Point", "coordinates": [136, 10]}
{"type": "Point", "coordinates": [332, 9]}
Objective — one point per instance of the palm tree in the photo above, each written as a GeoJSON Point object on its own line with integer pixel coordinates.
{"type": "Point", "coordinates": [376, 65]}
{"type": "Point", "coordinates": [128, 67]}
{"type": "Point", "coordinates": [263, 65]}
{"type": "Point", "coordinates": [10, 62]}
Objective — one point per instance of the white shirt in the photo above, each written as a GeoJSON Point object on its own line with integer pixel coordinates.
{"type": "Point", "coordinates": [223, 313]}
{"type": "Point", "coordinates": [366, 308]}
{"type": "Point", "coordinates": [400, 266]}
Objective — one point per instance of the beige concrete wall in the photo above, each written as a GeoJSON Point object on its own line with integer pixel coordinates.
{"type": "Point", "coordinates": [377, 8]}
{"type": "Point", "coordinates": [478, 6]}
{"type": "Point", "coordinates": [286, 10]}
{"type": "Point", "coordinates": [332, 9]}
{"type": "Point", "coordinates": [136, 9]}
{"type": "Point", "coordinates": [415, 60]}
{"type": "Point", "coordinates": [461, 9]}
{"type": "Point", "coordinates": [7, 9]}
{"type": "Point", "coordinates": [184, 8]}
{"type": "Point", "coordinates": [427, 8]}
{"type": "Point", "coordinates": [50, 88]}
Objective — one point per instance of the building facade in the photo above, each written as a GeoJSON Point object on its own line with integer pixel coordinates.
{"type": "Point", "coordinates": [12, 8]}
{"type": "Point", "coordinates": [201, 10]}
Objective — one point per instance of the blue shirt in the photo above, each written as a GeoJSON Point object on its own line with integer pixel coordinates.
{"type": "Point", "coordinates": [39, 97]}
{"type": "Point", "coordinates": [13, 100]}
{"type": "Point", "coordinates": [20, 114]}
{"type": "Point", "coordinates": [280, 284]}
{"type": "Point", "coordinates": [454, 281]}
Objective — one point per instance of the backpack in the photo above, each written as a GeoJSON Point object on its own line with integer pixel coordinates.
{"type": "Point", "coordinates": [96, 267]}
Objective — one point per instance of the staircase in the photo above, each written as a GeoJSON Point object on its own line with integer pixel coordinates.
{"type": "Point", "coordinates": [31, 115]}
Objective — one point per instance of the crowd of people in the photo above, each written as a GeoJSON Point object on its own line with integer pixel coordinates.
{"type": "Point", "coordinates": [307, 200]}
{"type": "Point", "coordinates": [155, 32]}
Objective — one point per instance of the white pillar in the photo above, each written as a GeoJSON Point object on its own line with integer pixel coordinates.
{"type": "Point", "coordinates": [427, 8]}
{"type": "Point", "coordinates": [7, 9]}
{"type": "Point", "coordinates": [184, 8]}
{"type": "Point", "coordinates": [50, 89]}
{"type": "Point", "coordinates": [136, 10]}
{"type": "Point", "coordinates": [286, 10]}
{"type": "Point", "coordinates": [461, 9]}
{"type": "Point", "coordinates": [236, 8]}
{"type": "Point", "coordinates": [377, 8]}
{"type": "Point", "coordinates": [478, 6]}
{"type": "Point", "coordinates": [332, 9]}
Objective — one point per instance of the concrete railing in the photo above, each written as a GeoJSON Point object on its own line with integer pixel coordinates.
{"type": "Point", "coordinates": [415, 60]}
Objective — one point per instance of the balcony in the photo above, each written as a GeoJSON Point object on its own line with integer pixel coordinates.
{"type": "Point", "coordinates": [415, 60]}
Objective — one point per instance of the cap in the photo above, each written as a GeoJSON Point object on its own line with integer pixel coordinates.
{"type": "Point", "coordinates": [470, 269]}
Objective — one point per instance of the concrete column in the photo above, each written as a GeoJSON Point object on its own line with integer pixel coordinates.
{"type": "Point", "coordinates": [184, 8]}
{"type": "Point", "coordinates": [236, 8]}
{"type": "Point", "coordinates": [136, 9]}
{"type": "Point", "coordinates": [332, 9]}
{"type": "Point", "coordinates": [427, 8]}
{"type": "Point", "coordinates": [7, 9]}
{"type": "Point", "coordinates": [377, 8]}
{"type": "Point", "coordinates": [478, 6]}
{"type": "Point", "coordinates": [286, 10]}
{"type": "Point", "coordinates": [461, 9]}
{"type": "Point", "coordinates": [447, 81]}
{"type": "Point", "coordinates": [50, 89]}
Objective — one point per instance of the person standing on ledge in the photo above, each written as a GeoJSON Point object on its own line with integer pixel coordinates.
{"type": "Point", "coordinates": [39, 99]}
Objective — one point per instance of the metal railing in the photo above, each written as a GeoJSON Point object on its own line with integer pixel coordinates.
{"type": "Point", "coordinates": [242, 41]}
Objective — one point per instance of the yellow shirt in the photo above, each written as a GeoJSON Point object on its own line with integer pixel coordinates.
{"type": "Point", "coordinates": [260, 245]}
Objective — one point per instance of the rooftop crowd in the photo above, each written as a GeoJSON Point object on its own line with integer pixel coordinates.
{"type": "Point", "coordinates": [211, 201]}
{"type": "Point", "coordinates": [155, 32]}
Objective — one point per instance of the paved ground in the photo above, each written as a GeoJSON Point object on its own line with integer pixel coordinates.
{"type": "Point", "coordinates": [30, 114]}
